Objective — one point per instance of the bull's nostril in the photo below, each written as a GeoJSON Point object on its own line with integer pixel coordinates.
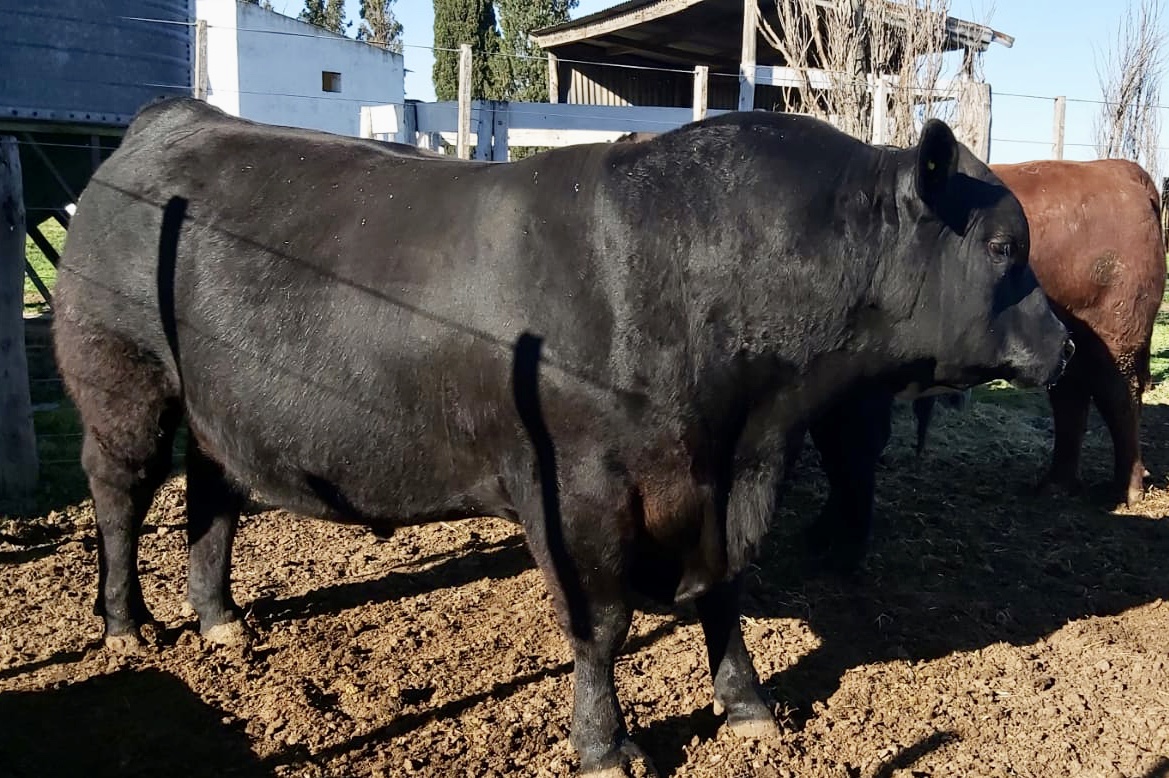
{"type": "Point", "coordinates": [1069, 348]}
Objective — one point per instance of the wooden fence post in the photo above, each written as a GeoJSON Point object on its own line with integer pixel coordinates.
{"type": "Point", "coordinates": [553, 79]}
{"type": "Point", "coordinates": [1061, 107]}
{"type": "Point", "coordinates": [747, 58]}
{"type": "Point", "coordinates": [200, 85]}
{"type": "Point", "coordinates": [973, 125]}
{"type": "Point", "coordinates": [463, 143]}
{"type": "Point", "coordinates": [701, 81]}
{"type": "Point", "coordinates": [483, 129]}
{"type": "Point", "coordinates": [409, 129]}
{"type": "Point", "coordinates": [18, 444]}
{"type": "Point", "coordinates": [880, 110]}
{"type": "Point", "coordinates": [500, 111]}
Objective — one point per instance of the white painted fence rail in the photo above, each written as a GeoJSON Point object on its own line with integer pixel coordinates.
{"type": "Point", "coordinates": [497, 126]}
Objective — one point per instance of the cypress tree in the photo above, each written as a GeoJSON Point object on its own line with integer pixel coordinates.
{"type": "Point", "coordinates": [326, 14]}
{"type": "Point", "coordinates": [473, 22]}
{"type": "Point", "coordinates": [527, 76]}
{"type": "Point", "coordinates": [379, 26]}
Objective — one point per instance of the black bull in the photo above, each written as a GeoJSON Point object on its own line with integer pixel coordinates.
{"type": "Point", "coordinates": [607, 344]}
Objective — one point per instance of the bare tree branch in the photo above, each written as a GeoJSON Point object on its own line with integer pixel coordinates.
{"type": "Point", "coordinates": [838, 51]}
{"type": "Point", "coordinates": [1129, 122]}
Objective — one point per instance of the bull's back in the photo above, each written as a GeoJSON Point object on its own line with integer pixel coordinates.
{"type": "Point", "coordinates": [341, 320]}
{"type": "Point", "coordinates": [1097, 245]}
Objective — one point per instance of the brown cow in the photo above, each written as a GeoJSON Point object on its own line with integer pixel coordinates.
{"type": "Point", "coordinates": [1098, 251]}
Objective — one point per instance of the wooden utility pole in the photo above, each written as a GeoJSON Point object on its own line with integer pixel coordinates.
{"type": "Point", "coordinates": [463, 144]}
{"type": "Point", "coordinates": [18, 444]}
{"type": "Point", "coordinates": [747, 58]}
{"type": "Point", "coordinates": [1061, 108]}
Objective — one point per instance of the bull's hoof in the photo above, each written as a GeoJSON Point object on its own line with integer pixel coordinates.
{"type": "Point", "coordinates": [631, 762]}
{"type": "Point", "coordinates": [756, 729]}
{"type": "Point", "coordinates": [125, 644]}
{"type": "Point", "coordinates": [754, 723]}
{"type": "Point", "coordinates": [230, 633]}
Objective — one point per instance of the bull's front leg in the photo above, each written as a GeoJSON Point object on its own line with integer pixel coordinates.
{"type": "Point", "coordinates": [582, 558]}
{"type": "Point", "coordinates": [736, 685]}
{"type": "Point", "coordinates": [750, 505]}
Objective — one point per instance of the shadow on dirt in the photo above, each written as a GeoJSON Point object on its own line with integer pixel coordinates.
{"type": "Point", "coordinates": [1159, 770]}
{"type": "Point", "coordinates": [110, 726]}
{"type": "Point", "coordinates": [961, 568]}
{"type": "Point", "coordinates": [60, 658]}
{"type": "Point", "coordinates": [473, 562]}
{"type": "Point", "coordinates": [412, 721]}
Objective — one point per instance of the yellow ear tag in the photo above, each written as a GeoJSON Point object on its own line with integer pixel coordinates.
{"type": "Point", "coordinates": [930, 165]}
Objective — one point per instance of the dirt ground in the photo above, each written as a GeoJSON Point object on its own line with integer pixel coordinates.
{"type": "Point", "coordinates": [992, 633]}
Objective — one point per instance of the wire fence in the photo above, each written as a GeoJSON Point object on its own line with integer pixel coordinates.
{"type": "Point", "coordinates": [1016, 122]}
{"type": "Point", "coordinates": [1017, 128]}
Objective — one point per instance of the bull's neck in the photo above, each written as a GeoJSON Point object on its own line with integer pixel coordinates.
{"type": "Point", "coordinates": [815, 330]}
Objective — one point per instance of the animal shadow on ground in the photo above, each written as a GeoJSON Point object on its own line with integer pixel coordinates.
{"type": "Point", "coordinates": [109, 726]}
{"type": "Point", "coordinates": [981, 561]}
{"type": "Point", "coordinates": [473, 562]}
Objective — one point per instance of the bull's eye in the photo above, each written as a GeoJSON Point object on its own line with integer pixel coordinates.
{"type": "Point", "coordinates": [1001, 250]}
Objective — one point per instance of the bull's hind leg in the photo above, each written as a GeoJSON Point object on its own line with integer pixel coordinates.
{"type": "Point", "coordinates": [213, 509]}
{"type": "Point", "coordinates": [1117, 393]}
{"type": "Point", "coordinates": [129, 412]}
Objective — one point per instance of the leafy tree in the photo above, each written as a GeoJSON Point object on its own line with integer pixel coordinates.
{"type": "Point", "coordinates": [326, 14]}
{"type": "Point", "coordinates": [527, 68]}
{"type": "Point", "coordinates": [265, 4]}
{"type": "Point", "coordinates": [379, 26]}
{"type": "Point", "coordinates": [473, 22]}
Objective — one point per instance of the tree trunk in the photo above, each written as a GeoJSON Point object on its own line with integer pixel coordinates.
{"type": "Point", "coordinates": [860, 65]}
{"type": "Point", "coordinates": [18, 450]}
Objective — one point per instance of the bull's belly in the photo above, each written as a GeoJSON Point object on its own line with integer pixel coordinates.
{"type": "Point", "coordinates": [323, 457]}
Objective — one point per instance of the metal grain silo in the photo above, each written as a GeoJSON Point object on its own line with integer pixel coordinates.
{"type": "Point", "coordinates": [91, 62]}
{"type": "Point", "coordinates": [72, 75]}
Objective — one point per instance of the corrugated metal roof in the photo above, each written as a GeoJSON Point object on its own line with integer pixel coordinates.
{"type": "Point", "coordinates": [962, 33]}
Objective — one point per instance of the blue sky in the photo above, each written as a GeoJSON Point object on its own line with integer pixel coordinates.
{"type": "Point", "coordinates": [1057, 46]}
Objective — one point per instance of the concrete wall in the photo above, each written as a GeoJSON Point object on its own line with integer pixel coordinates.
{"type": "Point", "coordinates": [268, 67]}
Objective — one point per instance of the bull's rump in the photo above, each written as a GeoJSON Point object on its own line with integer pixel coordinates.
{"type": "Point", "coordinates": [341, 320]}
{"type": "Point", "coordinates": [1097, 243]}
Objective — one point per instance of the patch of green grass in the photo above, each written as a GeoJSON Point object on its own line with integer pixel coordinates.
{"type": "Point", "coordinates": [55, 233]}
{"type": "Point", "coordinates": [1159, 355]}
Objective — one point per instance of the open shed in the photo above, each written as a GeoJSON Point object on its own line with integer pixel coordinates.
{"type": "Point", "coordinates": [678, 35]}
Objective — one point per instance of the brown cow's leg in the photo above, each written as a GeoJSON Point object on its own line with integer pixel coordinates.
{"type": "Point", "coordinates": [213, 508]}
{"type": "Point", "coordinates": [1069, 406]}
{"type": "Point", "coordinates": [1118, 398]}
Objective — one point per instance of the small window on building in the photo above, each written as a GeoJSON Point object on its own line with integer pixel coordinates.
{"type": "Point", "coordinates": [330, 81]}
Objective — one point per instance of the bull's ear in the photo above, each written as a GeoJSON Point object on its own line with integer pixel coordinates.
{"type": "Point", "coordinates": [937, 160]}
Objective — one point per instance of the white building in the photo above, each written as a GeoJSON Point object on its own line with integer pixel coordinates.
{"type": "Point", "coordinates": [271, 68]}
